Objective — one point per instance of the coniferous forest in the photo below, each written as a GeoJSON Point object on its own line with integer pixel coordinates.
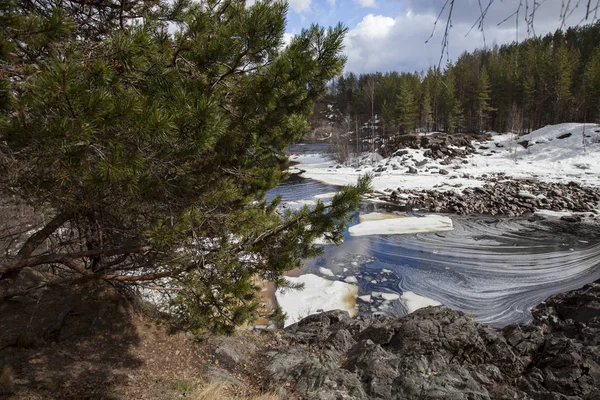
{"type": "Point", "coordinates": [517, 87]}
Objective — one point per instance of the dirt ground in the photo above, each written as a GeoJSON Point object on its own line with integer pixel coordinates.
{"type": "Point", "coordinates": [90, 342]}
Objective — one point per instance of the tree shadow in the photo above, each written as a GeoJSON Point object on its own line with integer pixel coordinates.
{"type": "Point", "coordinates": [69, 342]}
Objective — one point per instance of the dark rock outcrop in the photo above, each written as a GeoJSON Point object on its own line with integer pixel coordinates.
{"type": "Point", "coordinates": [438, 353]}
{"type": "Point", "coordinates": [499, 196]}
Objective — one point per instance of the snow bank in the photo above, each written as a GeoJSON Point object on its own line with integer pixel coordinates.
{"type": "Point", "coordinates": [397, 226]}
{"type": "Point", "coordinates": [413, 301]}
{"type": "Point", "coordinates": [319, 295]}
{"type": "Point", "coordinates": [556, 153]}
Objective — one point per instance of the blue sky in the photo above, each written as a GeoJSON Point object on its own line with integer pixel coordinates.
{"type": "Point", "coordinates": [390, 35]}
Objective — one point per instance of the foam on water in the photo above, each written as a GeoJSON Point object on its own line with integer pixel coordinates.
{"type": "Point", "coordinates": [495, 269]}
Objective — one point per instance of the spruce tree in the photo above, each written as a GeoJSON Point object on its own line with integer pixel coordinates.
{"type": "Point", "coordinates": [452, 110]}
{"type": "Point", "coordinates": [406, 107]}
{"type": "Point", "coordinates": [483, 100]}
{"type": "Point", "coordinates": [149, 132]}
{"type": "Point", "coordinates": [426, 110]}
{"type": "Point", "coordinates": [564, 63]}
{"type": "Point", "coordinates": [592, 86]}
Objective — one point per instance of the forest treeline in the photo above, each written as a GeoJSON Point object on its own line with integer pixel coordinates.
{"type": "Point", "coordinates": [516, 87]}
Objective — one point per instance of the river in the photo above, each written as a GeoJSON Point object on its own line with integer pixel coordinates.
{"type": "Point", "coordinates": [494, 269]}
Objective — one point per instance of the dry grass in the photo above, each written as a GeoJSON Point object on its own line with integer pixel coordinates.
{"type": "Point", "coordinates": [220, 391]}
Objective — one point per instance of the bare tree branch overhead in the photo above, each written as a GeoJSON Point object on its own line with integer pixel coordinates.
{"type": "Point", "coordinates": [524, 11]}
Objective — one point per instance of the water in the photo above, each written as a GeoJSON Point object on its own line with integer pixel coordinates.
{"type": "Point", "coordinates": [495, 269]}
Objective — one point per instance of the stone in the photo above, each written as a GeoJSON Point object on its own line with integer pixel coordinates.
{"type": "Point", "coordinates": [231, 352]}
{"type": "Point", "coordinates": [438, 353]}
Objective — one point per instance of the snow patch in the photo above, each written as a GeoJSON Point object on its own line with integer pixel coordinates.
{"type": "Point", "coordinates": [326, 271]}
{"type": "Point", "coordinates": [553, 214]}
{"type": "Point", "coordinates": [413, 301]}
{"type": "Point", "coordinates": [319, 295]}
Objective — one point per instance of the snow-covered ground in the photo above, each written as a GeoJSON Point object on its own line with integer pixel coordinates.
{"type": "Point", "coordinates": [319, 294]}
{"type": "Point", "coordinates": [550, 157]}
{"type": "Point", "coordinates": [413, 301]}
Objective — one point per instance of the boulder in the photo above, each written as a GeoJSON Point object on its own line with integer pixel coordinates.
{"type": "Point", "coordinates": [439, 353]}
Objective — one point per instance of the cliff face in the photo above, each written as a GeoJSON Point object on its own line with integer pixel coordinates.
{"type": "Point", "coordinates": [438, 353]}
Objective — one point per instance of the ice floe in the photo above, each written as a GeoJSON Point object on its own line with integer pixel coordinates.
{"type": "Point", "coordinates": [397, 226]}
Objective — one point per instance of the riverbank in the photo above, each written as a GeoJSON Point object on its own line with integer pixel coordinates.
{"type": "Point", "coordinates": [107, 348]}
{"type": "Point", "coordinates": [520, 222]}
{"type": "Point", "coordinates": [438, 353]}
{"type": "Point", "coordinates": [554, 168]}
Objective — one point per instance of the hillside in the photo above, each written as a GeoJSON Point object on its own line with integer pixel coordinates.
{"type": "Point", "coordinates": [94, 344]}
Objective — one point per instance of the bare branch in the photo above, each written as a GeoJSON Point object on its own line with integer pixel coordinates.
{"type": "Point", "coordinates": [64, 258]}
{"type": "Point", "coordinates": [40, 236]}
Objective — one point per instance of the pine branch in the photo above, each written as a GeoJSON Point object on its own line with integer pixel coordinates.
{"type": "Point", "coordinates": [40, 236]}
{"type": "Point", "coordinates": [67, 257]}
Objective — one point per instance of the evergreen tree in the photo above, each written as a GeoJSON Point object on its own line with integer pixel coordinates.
{"type": "Point", "coordinates": [564, 62]}
{"type": "Point", "coordinates": [405, 107]}
{"type": "Point", "coordinates": [452, 110]}
{"type": "Point", "coordinates": [426, 110]}
{"type": "Point", "coordinates": [153, 150]}
{"type": "Point", "coordinates": [592, 86]}
{"type": "Point", "coordinates": [483, 100]}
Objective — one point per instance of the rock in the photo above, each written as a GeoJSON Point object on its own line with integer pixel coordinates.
{"type": "Point", "coordinates": [564, 135]}
{"type": "Point", "coordinates": [412, 170]}
{"type": "Point", "coordinates": [443, 172]}
{"type": "Point", "coordinates": [438, 353]}
{"type": "Point", "coordinates": [526, 195]}
{"type": "Point", "coordinates": [231, 352]}
{"type": "Point", "coordinates": [511, 198]}
{"type": "Point", "coordinates": [525, 143]}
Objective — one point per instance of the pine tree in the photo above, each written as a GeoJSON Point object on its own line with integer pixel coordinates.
{"type": "Point", "coordinates": [592, 86]}
{"type": "Point", "coordinates": [154, 150]}
{"type": "Point", "coordinates": [426, 110]}
{"type": "Point", "coordinates": [564, 62]}
{"type": "Point", "coordinates": [452, 110]}
{"type": "Point", "coordinates": [405, 107]}
{"type": "Point", "coordinates": [483, 100]}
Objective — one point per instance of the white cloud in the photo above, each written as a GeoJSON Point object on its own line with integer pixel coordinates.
{"type": "Point", "coordinates": [372, 27]}
{"type": "Point", "coordinates": [367, 3]}
{"type": "Point", "coordinates": [300, 6]}
{"type": "Point", "coordinates": [331, 2]}
{"type": "Point", "coordinates": [382, 43]}
{"type": "Point", "coordinates": [287, 38]}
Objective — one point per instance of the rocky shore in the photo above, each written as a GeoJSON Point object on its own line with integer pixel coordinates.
{"type": "Point", "coordinates": [438, 353]}
{"type": "Point", "coordinates": [500, 196]}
